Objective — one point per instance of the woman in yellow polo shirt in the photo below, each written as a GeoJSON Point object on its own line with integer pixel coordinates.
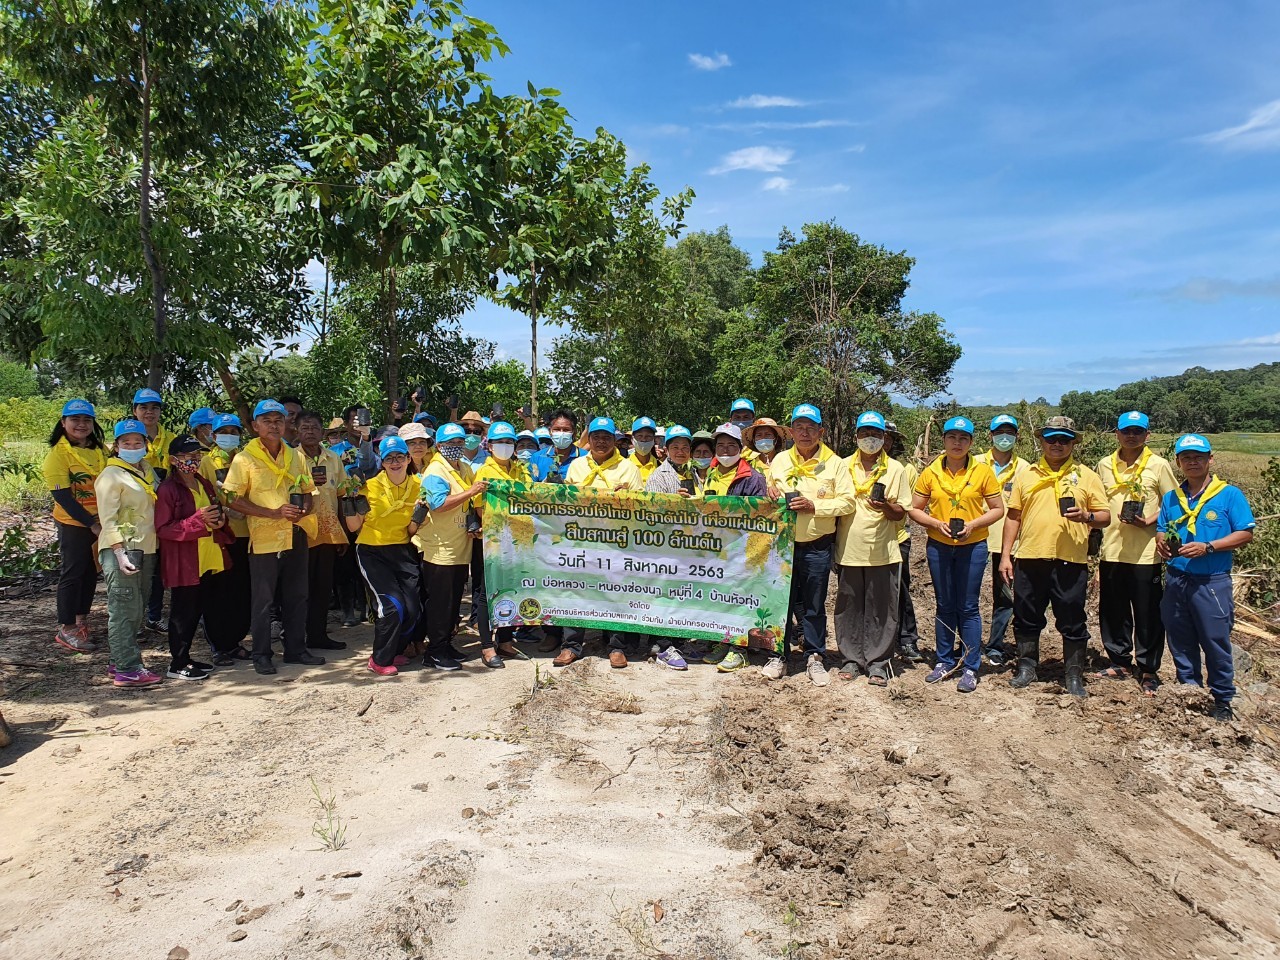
{"type": "Point", "coordinates": [386, 558]}
{"type": "Point", "coordinates": [76, 456]}
{"type": "Point", "coordinates": [501, 464]}
{"type": "Point", "coordinates": [237, 599]}
{"type": "Point", "coordinates": [956, 498]}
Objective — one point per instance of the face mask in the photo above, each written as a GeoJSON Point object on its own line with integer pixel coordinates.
{"type": "Point", "coordinates": [472, 442]}
{"type": "Point", "coordinates": [562, 439]}
{"type": "Point", "coordinates": [132, 456]}
{"type": "Point", "coordinates": [729, 461]}
{"type": "Point", "coordinates": [701, 462]}
{"type": "Point", "coordinates": [451, 452]}
{"type": "Point", "coordinates": [644, 447]}
{"type": "Point", "coordinates": [871, 444]}
{"type": "Point", "coordinates": [227, 441]}
{"type": "Point", "coordinates": [765, 445]}
{"type": "Point", "coordinates": [524, 455]}
{"type": "Point", "coordinates": [1003, 442]}
{"type": "Point", "coordinates": [503, 451]}
{"type": "Point", "coordinates": [187, 468]}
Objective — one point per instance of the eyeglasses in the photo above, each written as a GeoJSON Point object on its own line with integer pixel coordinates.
{"type": "Point", "coordinates": [394, 459]}
{"type": "Point", "coordinates": [1058, 441]}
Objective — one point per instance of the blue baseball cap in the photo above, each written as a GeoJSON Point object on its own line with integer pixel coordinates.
{"type": "Point", "coordinates": [1135, 418]}
{"type": "Point", "coordinates": [226, 420]}
{"type": "Point", "coordinates": [742, 403]}
{"type": "Point", "coordinates": [78, 408]}
{"type": "Point", "coordinates": [806, 411]}
{"type": "Point", "coordinates": [871, 419]}
{"type": "Point", "coordinates": [501, 430]}
{"type": "Point", "coordinates": [542, 433]}
{"type": "Point", "coordinates": [603, 425]}
{"type": "Point", "coordinates": [960, 424]}
{"type": "Point", "coordinates": [270, 406]}
{"type": "Point", "coordinates": [129, 425]}
{"type": "Point", "coordinates": [424, 416]}
{"type": "Point", "coordinates": [675, 431]}
{"type": "Point", "coordinates": [200, 417]}
{"type": "Point", "coordinates": [392, 444]}
{"type": "Point", "coordinates": [450, 431]}
{"type": "Point", "coordinates": [1004, 420]}
{"type": "Point", "coordinates": [146, 395]}
{"type": "Point", "coordinates": [644, 423]}
{"type": "Point", "coordinates": [1193, 443]}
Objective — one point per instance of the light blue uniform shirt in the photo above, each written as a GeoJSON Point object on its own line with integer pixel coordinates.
{"type": "Point", "coordinates": [1228, 512]}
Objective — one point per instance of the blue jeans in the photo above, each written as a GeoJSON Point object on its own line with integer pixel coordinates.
{"type": "Point", "coordinates": [958, 572]}
{"type": "Point", "coordinates": [1198, 615]}
{"type": "Point", "coordinates": [810, 575]}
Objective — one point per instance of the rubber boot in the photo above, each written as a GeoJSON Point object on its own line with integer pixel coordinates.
{"type": "Point", "coordinates": [1073, 652]}
{"type": "Point", "coordinates": [1028, 661]}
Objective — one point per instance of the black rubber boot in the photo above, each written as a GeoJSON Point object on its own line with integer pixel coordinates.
{"type": "Point", "coordinates": [1073, 652]}
{"type": "Point", "coordinates": [1028, 661]}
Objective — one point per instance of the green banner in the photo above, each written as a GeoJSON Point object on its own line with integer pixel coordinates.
{"type": "Point", "coordinates": [713, 568]}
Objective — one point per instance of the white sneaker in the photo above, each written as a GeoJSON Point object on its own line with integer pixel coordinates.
{"type": "Point", "coordinates": [775, 669]}
{"type": "Point", "coordinates": [818, 675]}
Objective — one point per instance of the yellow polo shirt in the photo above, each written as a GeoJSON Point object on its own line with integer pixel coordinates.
{"type": "Point", "coordinates": [1123, 542]}
{"type": "Point", "coordinates": [390, 510]}
{"type": "Point", "coordinates": [1004, 476]}
{"type": "Point", "coordinates": [218, 461]}
{"type": "Point", "coordinates": [329, 527]}
{"type": "Point", "coordinates": [1045, 534]}
{"type": "Point", "coordinates": [616, 473]}
{"type": "Point", "coordinates": [158, 449]}
{"type": "Point", "coordinates": [492, 469]}
{"type": "Point", "coordinates": [265, 481]}
{"type": "Point", "coordinates": [866, 537]}
{"type": "Point", "coordinates": [904, 525]}
{"type": "Point", "coordinates": [73, 468]}
{"type": "Point", "coordinates": [824, 481]}
{"type": "Point", "coordinates": [442, 539]}
{"type": "Point", "coordinates": [957, 495]}
{"type": "Point", "coordinates": [645, 469]}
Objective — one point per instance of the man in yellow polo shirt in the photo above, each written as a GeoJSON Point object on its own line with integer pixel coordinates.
{"type": "Point", "coordinates": [1052, 508]}
{"type": "Point", "coordinates": [818, 487]}
{"type": "Point", "coordinates": [262, 478]}
{"type": "Point", "coordinates": [1006, 466]}
{"type": "Point", "coordinates": [1130, 576]}
{"type": "Point", "coordinates": [644, 435]}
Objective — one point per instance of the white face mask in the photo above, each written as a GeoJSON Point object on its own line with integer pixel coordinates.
{"type": "Point", "coordinates": [132, 456]}
{"type": "Point", "coordinates": [1003, 442]}
{"type": "Point", "coordinates": [729, 461]}
{"type": "Point", "coordinates": [525, 455]}
{"type": "Point", "coordinates": [643, 447]}
{"type": "Point", "coordinates": [869, 445]}
{"type": "Point", "coordinates": [502, 451]}
{"type": "Point", "coordinates": [765, 444]}
{"type": "Point", "coordinates": [561, 439]}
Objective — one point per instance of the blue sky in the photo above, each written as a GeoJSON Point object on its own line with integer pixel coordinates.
{"type": "Point", "coordinates": [1091, 190]}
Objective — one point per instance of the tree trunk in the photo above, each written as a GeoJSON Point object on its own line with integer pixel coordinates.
{"type": "Point", "coordinates": [533, 365]}
{"type": "Point", "coordinates": [324, 309]}
{"type": "Point", "coordinates": [390, 384]}
{"type": "Point", "coordinates": [155, 373]}
{"type": "Point", "coordinates": [236, 398]}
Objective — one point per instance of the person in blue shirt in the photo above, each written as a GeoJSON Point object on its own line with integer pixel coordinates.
{"type": "Point", "coordinates": [550, 466]}
{"type": "Point", "coordinates": [742, 413]}
{"type": "Point", "coordinates": [543, 436]}
{"type": "Point", "coordinates": [1209, 519]}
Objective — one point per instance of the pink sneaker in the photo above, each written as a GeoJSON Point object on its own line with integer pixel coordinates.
{"type": "Point", "coordinates": [137, 678]}
{"type": "Point", "coordinates": [111, 670]}
{"type": "Point", "coordinates": [399, 660]}
{"type": "Point", "coordinates": [382, 671]}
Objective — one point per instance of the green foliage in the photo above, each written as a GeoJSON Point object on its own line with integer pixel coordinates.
{"type": "Point", "coordinates": [23, 555]}
{"type": "Point", "coordinates": [1261, 558]}
{"type": "Point", "coordinates": [17, 380]}
{"type": "Point", "coordinates": [33, 418]}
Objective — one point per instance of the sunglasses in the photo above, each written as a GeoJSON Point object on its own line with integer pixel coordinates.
{"type": "Point", "coordinates": [1058, 441]}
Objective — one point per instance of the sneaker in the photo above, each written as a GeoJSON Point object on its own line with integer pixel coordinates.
{"type": "Point", "coordinates": [188, 672]}
{"type": "Point", "coordinates": [441, 662]}
{"type": "Point", "coordinates": [939, 673]}
{"type": "Point", "coordinates": [817, 671]}
{"type": "Point", "coordinates": [158, 626]}
{"type": "Point", "coordinates": [775, 669]}
{"type": "Point", "coordinates": [1222, 711]}
{"type": "Point", "coordinates": [910, 652]}
{"type": "Point", "coordinates": [74, 641]}
{"type": "Point", "coordinates": [399, 660]}
{"type": "Point", "coordinates": [201, 665]}
{"type": "Point", "coordinates": [671, 657]}
{"type": "Point", "coordinates": [731, 661]}
{"type": "Point", "coordinates": [264, 666]}
{"type": "Point", "coordinates": [459, 655]}
{"type": "Point", "coordinates": [111, 670]}
{"type": "Point", "coordinates": [694, 652]}
{"type": "Point", "coordinates": [968, 682]}
{"type": "Point", "coordinates": [717, 653]}
{"type": "Point", "coordinates": [383, 671]}
{"type": "Point", "coordinates": [277, 630]}
{"type": "Point", "coordinates": [135, 678]}
{"type": "Point", "coordinates": [995, 658]}
{"type": "Point", "coordinates": [305, 659]}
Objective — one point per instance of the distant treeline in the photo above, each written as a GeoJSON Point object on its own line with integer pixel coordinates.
{"type": "Point", "coordinates": [1199, 400]}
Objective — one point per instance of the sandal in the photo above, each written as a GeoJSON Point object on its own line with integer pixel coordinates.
{"type": "Point", "coordinates": [223, 660]}
{"type": "Point", "coordinates": [1115, 673]}
{"type": "Point", "coordinates": [875, 680]}
{"type": "Point", "coordinates": [492, 661]}
{"type": "Point", "coordinates": [1150, 684]}
{"type": "Point", "coordinates": [240, 653]}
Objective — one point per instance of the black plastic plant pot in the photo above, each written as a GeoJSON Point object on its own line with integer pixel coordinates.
{"type": "Point", "coordinates": [473, 520]}
{"type": "Point", "coordinates": [791, 495]}
{"type": "Point", "coordinates": [1131, 510]}
{"type": "Point", "coordinates": [877, 492]}
{"type": "Point", "coordinates": [298, 500]}
{"type": "Point", "coordinates": [419, 513]}
{"type": "Point", "coordinates": [1174, 543]}
{"type": "Point", "coordinates": [1065, 504]}
{"type": "Point", "coordinates": [135, 558]}
{"type": "Point", "coordinates": [347, 507]}
{"type": "Point", "coordinates": [957, 527]}
{"type": "Point", "coordinates": [364, 417]}
{"type": "Point", "coordinates": [691, 488]}
{"type": "Point", "coordinates": [319, 476]}
{"type": "Point", "coordinates": [221, 475]}
{"type": "Point", "coordinates": [362, 504]}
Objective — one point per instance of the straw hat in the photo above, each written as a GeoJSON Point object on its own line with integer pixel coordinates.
{"type": "Point", "coordinates": [471, 416]}
{"type": "Point", "coordinates": [337, 423]}
{"type": "Point", "coordinates": [749, 434]}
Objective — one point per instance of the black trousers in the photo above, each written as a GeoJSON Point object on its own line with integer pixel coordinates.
{"type": "Point", "coordinates": [229, 600]}
{"type": "Point", "coordinates": [347, 580]}
{"type": "Point", "coordinates": [443, 585]}
{"type": "Point", "coordinates": [907, 631]}
{"type": "Point", "coordinates": [187, 605]}
{"type": "Point", "coordinates": [320, 563]}
{"type": "Point", "coordinates": [1037, 584]}
{"type": "Point", "coordinates": [78, 573]}
{"type": "Point", "coordinates": [1129, 598]}
{"type": "Point", "coordinates": [288, 571]}
{"type": "Point", "coordinates": [155, 599]}
{"type": "Point", "coordinates": [391, 573]}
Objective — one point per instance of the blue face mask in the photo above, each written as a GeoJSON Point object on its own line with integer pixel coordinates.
{"type": "Point", "coordinates": [525, 454]}
{"type": "Point", "coordinates": [1003, 442]}
{"type": "Point", "coordinates": [702, 462]}
{"type": "Point", "coordinates": [132, 456]}
{"type": "Point", "coordinates": [472, 442]}
{"type": "Point", "coordinates": [227, 441]}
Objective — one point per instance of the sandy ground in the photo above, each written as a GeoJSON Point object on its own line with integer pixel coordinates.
{"type": "Point", "coordinates": [640, 813]}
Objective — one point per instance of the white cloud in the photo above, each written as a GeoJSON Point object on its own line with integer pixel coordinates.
{"type": "Point", "coordinates": [781, 184]}
{"type": "Point", "coordinates": [1261, 131]}
{"type": "Point", "coordinates": [764, 159]}
{"type": "Point", "coordinates": [856, 148]}
{"type": "Point", "coordinates": [717, 62]}
{"type": "Point", "coordinates": [1213, 289]}
{"type": "Point", "coordinates": [758, 101]}
{"type": "Point", "coordinates": [782, 125]}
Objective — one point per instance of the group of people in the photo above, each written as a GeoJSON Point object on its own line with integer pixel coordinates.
{"type": "Point", "coordinates": [253, 532]}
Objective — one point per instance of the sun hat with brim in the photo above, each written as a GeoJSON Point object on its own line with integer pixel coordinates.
{"type": "Point", "coordinates": [184, 444]}
{"type": "Point", "coordinates": [416, 431]}
{"type": "Point", "coordinates": [337, 423]}
{"type": "Point", "coordinates": [1003, 420]}
{"type": "Point", "coordinates": [392, 444]}
{"type": "Point", "coordinates": [892, 428]}
{"type": "Point", "coordinates": [676, 432]}
{"type": "Point", "coordinates": [270, 406]}
{"type": "Point", "coordinates": [200, 417]}
{"type": "Point", "coordinates": [749, 434]}
{"type": "Point", "coordinates": [958, 424]}
{"type": "Point", "coordinates": [1057, 427]}
{"type": "Point", "coordinates": [1192, 443]}
{"type": "Point", "coordinates": [501, 430]}
{"type": "Point", "coordinates": [1134, 418]}
{"type": "Point", "coordinates": [602, 425]}
{"type": "Point", "coordinates": [471, 416]}
{"type": "Point", "coordinates": [807, 411]}
{"type": "Point", "coordinates": [870, 419]}
{"type": "Point", "coordinates": [78, 408]}
{"type": "Point", "coordinates": [224, 420]}
{"type": "Point", "coordinates": [450, 431]}
{"type": "Point", "coordinates": [701, 435]}
{"type": "Point", "coordinates": [146, 395]}
{"type": "Point", "coordinates": [128, 426]}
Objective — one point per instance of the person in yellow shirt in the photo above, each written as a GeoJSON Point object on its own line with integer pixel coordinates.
{"type": "Point", "coordinates": [1052, 507]}
{"type": "Point", "coordinates": [956, 499]}
{"type": "Point", "coordinates": [267, 480]}
{"type": "Point", "coordinates": [501, 464]}
{"type": "Point", "coordinates": [818, 487]}
{"type": "Point", "coordinates": [603, 468]}
{"type": "Point", "coordinates": [1005, 465]}
{"type": "Point", "coordinates": [908, 634]}
{"type": "Point", "coordinates": [237, 600]}
{"type": "Point", "coordinates": [763, 440]}
{"type": "Point", "coordinates": [868, 561]}
{"type": "Point", "coordinates": [330, 539]}
{"type": "Point", "coordinates": [147, 406]}
{"type": "Point", "coordinates": [644, 434]}
{"type": "Point", "coordinates": [386, 558]}
{"type": "Point", "coordinates": [1130, 575]}
{"type": "Point", "coordinates": [76, 456]}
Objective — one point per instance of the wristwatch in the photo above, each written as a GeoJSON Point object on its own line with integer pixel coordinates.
{"type": "Point", "coordinates": [1091, 516]}
{"type": "Point", "coordinates": [1210, 548]}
